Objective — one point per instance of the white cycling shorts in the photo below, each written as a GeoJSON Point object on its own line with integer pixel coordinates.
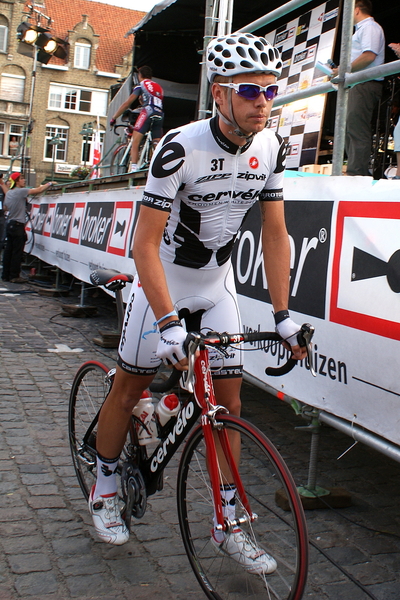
{"type": "Point", "coordinates": [203, 299]}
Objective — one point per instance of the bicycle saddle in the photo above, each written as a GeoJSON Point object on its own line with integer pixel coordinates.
{"type": "Point", "coordinates": [108, 276]}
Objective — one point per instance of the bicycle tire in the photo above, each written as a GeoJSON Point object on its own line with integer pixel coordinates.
{"type": "Point", "coordinates": [282, 533]}
{"type": "Point", "coordinates": [30, 236]}
{"type": "Point", "coordinates": [116, 166]}
{"type": "Point", "coordinates": [88, 392]}
{"type": "Point", "coordinates": [146, 151]}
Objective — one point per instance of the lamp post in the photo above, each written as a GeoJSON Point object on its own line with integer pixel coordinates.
{"type": "Point", "coordinates": [37, 42]}
{"type": "Point", "coordinates": [55, 142]}
{"type": "Point", "coordinates": [87, 130]}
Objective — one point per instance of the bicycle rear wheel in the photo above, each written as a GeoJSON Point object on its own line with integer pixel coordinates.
{"type": "Point", "coordinates": [30, 235]}
{"type": "Point", "coordinates": [89, 390]}
{"type": "Point", "coordinates": [281, 533]}
{"type": "Point", "coordinates": [120, 160]}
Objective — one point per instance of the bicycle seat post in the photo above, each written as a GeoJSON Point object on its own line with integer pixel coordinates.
{"type": "Point", "coordinates": [120, 308]}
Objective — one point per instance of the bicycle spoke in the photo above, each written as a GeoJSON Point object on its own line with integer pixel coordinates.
{"type": "Point", "coordinates": [280, 534]}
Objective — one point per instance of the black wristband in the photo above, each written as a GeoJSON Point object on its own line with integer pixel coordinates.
{"type": "Point", "coordinates": [170, 324]}
{"type": "Point", "coordinates": [280, 316]}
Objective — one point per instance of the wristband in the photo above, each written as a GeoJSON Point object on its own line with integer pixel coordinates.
{"type": "Point", "coordinates": [170, 324]}
{"type": "Point", "coordinates": [173, 313]}
{"type": "Point", "coordinates": [280, 316]}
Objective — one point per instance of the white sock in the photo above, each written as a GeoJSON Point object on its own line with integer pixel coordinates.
{"type": "Point", "coordinates": [228, 510]}
{"type": "Point", "coordinates": [106, 483]}
{"type": "Point", "coordinates": [133, 167]}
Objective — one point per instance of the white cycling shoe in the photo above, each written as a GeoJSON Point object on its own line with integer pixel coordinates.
{"type": "Point", "coordinates": [241, 548]}
{"type": "Point", "coordinates": [107, 520]}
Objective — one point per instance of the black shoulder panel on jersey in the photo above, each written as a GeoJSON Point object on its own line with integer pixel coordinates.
{"type": "Point", "coordinates": [170, 152]}
{"type": "Point", "coordinates": [281, 157]}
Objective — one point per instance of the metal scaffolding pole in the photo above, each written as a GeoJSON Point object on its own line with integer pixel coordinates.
{"type": "Point", "coordinates": [202, 111]}
{"type": "Point", "coordinates": [341, 99]}
{"type": "Point", "coordinates": [275, 14]}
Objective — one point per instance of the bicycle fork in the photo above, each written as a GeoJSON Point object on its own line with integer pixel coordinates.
{"type": "Point", "coordinates": [212, 427]}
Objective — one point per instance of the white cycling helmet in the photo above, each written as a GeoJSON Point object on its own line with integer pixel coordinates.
{"type": "Point", "coordinates": [238, 53]}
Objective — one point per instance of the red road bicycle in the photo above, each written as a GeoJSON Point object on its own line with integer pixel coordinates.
{"type": "Point", "coordinates": [261, 476]}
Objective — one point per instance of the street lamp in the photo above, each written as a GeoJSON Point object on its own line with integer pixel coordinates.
{"type": "Point", "coordinates": [87, 130]}
{"type": "Point", "coordinates": [33, 37]}
{"type": "Point", "coordinates": [41, 45]}
{"type": "Point", "coordinates": [55, 141]}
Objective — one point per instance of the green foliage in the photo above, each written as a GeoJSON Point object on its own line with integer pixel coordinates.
{"type": "Point", "coordinates": [80, 173]}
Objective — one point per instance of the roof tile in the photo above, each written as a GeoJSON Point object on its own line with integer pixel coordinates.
{"type": "Point", "coordinates": [109, 22]}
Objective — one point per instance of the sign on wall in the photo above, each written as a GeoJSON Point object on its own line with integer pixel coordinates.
{"type": "Point", "coordinates": [345, 279]}
{"type": "Point", "coordinates": [302, 42]}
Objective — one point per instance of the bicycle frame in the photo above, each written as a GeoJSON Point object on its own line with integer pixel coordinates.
{"type": "Point", "coordinates": [144, 155]}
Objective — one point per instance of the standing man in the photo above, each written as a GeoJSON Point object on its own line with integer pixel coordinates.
{"type": "Point", "coordinates": [150, 95]}
{"type": "Point", "coordinates": [203, 179]}
{"type": "Point", "coordinates": [367, 50]}
{"type": "Point", "coordinates": [16, 203]}
{"type": "Point", "coordinates": [3, 191]}
{"type": "Point", "coordinates": [396, 132]}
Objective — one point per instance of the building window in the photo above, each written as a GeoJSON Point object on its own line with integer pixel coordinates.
{"type": "Point", "coordinates": [3, 38]}
{"type": "Point", "coordinates": [81, 100]}
{"type": "Point", "coordinates": [82, 56]}
{"type": "Point", "coordinates": [12, 87]}
{"type": "Point", "coordinates": [88, 148]}
{"type": "Point", "coordinates": [14, 140]}
{"type": "Point", "coordinates": [57, 152]}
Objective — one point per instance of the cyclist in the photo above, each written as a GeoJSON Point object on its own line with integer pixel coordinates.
{"type": "Point", "coordinates": [150, 95]}
{"type": "Point", "coordinates": [203, 179]}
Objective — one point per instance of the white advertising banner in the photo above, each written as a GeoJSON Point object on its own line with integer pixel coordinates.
{"type": "Point", "coordinates": [345, 280]}
{"type": "Point", "coordinates": [81, 232]}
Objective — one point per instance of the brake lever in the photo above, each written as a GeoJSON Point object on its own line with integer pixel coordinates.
{"type": "Point", "coordinates": [190, 347]}
{"type": "Point", "coordinates": [304, 338]}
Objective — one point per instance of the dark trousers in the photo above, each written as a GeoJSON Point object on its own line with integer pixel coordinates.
{"type": "Point", "coordinates": [2, 229]}
{"type": "Point", "coordinates": [362, 100]}
{"type": "Point", "coordinates": [14, 250]}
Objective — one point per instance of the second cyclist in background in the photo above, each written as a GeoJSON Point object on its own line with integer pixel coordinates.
{"type": "Point", "coordinates": [150, 95]}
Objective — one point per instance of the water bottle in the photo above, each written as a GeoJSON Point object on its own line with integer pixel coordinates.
{"type": "Point", "coordinates": [167, 407]}
{"type": "Point", "coordinates": [144, 411]}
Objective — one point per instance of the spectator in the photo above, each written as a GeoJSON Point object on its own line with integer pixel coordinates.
{"type": "Point", "coordinates": [16, 203]}
{"type": "Point", "coordinates": [13, 146]}
{"type": "Point", "coordinates": [396, 132]}
{"type": "Point", "coordinates": [150, 96]}
{"type": "Point", "coordinates": [367, 50]}
{"type": "Point", "coordinates": [3, 191]}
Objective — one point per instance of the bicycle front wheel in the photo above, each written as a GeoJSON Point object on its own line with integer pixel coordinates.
{"type": "Point", "coordinates": [280, 533]}
{"type": "Point", "coordinates": [120, 160]}
{"type": "Point", "coordinates": [89, 390]}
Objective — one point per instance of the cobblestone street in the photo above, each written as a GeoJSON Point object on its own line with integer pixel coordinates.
{"type": "Point", "coordinates": [49, 551]}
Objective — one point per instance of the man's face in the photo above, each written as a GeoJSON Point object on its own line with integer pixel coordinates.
{"type": "Point", "coordinates": [250, 115]}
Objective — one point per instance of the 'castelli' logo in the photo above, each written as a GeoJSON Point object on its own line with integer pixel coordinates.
{"type": "Point", "coordinates": [253, 162]}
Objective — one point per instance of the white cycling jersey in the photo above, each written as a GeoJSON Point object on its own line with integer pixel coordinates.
{"type": "Point", "coordinates": [209, 184]}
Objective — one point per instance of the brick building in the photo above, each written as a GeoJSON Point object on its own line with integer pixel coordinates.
{"type": "Point", "coordinates": [64, 95]}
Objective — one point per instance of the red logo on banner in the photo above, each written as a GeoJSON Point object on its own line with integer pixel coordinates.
{"type": "Point", "coordinates": [253, 162]}
{"type": "Point", "coordinates": [366, 267]}
{"type": "Point", "coordinates": [120, 228]}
